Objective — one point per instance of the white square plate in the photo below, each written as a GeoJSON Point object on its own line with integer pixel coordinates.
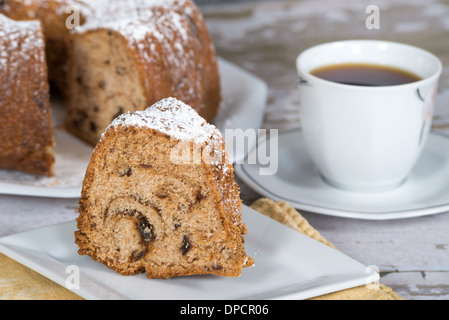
{"type": "Point", "coordinates": [288, 265]}
{"type": "Point", "coordinates": [243, 105]}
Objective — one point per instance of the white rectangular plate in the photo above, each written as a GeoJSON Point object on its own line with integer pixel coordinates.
{"type": "Point", "coordinates": [243, 105]}
{"type": "Point", "coordinates": [288, 265]}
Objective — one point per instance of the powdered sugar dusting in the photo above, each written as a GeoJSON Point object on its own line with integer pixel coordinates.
{"type": "Point", "coordinates": [162, 35]}
{"type": "Point", "coordinates": [181, 123]}
{"type": "Point", "coordinates": [150, 26]}
{"type": "Point", "coordinates": [136, 19]}
{"type": "Point", "coordinates": [117, 15]}
{"type": "Point", "coordinates": [174, 118]}
{"type": "Point", "coordinates": [19, 41]}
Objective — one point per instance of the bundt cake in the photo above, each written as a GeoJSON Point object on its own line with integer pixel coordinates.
{"type": "Point", "coordinates": [123, 56]}
{"type": "Point", "coordinates": [159, 196]}
{"type": "Point", "coordinates": [25, 123]}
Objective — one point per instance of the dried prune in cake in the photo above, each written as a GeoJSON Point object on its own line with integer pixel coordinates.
{"type": "Point", "coordinates": [144, 210]}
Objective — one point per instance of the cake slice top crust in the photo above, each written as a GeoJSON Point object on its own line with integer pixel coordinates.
{"type": "Point", "coordinates": [181, 123]}
{"type": "Point", "coordinates": [174, 118]}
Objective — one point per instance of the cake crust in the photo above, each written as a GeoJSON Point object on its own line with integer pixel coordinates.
{"type": "Point", "coordinates": [25, 122]}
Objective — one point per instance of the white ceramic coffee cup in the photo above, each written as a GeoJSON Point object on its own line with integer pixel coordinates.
{"type": "Point", "coordinates": [366, 138]}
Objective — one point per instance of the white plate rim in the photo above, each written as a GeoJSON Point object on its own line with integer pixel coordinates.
{"type": "Point", "coordinates": [255, 91]}
{"type": "Point", "coordinates": [46, 264]}
{"type": "Point", "coordinates": [355, 214]}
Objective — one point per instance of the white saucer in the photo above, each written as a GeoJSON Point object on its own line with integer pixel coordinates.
{"type": "Point", "coordinates": [297, 182]}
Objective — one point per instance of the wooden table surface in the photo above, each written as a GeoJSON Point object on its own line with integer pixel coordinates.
{"type": "Point", "coordinates": [264, 37]}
